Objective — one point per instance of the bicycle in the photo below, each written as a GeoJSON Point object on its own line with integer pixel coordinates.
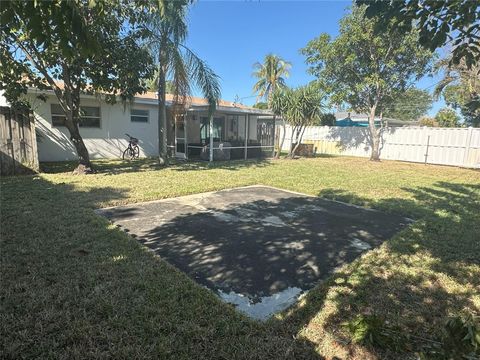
{"type": "Point", "coordinates": [132, 152]}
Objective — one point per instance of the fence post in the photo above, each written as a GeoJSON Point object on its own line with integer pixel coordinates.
{"type": "Point", "coordinates": [426, 151]}
{"type": "Point", "coordinates": [467, 146]}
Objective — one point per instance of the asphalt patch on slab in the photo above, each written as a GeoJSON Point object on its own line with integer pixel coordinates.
{"type": "Point", "coordinates": [257, 247]}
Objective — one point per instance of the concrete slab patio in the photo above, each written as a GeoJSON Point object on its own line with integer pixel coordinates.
{"type": "Point", "coordinates": [257, 247]}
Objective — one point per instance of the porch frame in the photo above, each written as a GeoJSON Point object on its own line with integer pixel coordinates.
{"type": "Point", "coordinates": [224, 113]}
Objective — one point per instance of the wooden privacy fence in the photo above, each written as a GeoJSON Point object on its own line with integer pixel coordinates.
{"type": "Point", "coordinates": [444, 146]}
{"type": "Point", "coordinates": [18, 142]}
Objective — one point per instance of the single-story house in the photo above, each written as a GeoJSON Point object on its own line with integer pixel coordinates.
{"type": "Point", "coordinates": [239, 132]}
{"type": "Point", "coordinates": [347, 119]}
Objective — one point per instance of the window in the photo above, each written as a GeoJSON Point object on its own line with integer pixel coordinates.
{"type": "Point", "coordinates": [218, 129]}
{"type": "Point", "coordinates": [89, 116]}
{"type": "Point", "coordinates": [58, 116]}
{"type": "Point", "coordinates": [137, 115]}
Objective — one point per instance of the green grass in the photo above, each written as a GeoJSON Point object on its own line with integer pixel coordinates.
{"type": "Point", "coordinates": [74, 286]}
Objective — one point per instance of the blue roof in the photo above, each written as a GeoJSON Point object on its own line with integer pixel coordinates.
{"type": "Point", "coordinates": [349, 122]}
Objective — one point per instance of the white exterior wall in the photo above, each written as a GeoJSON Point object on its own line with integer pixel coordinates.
{"type": "Point", "coordinates": [3, 101]}
{"type": "Point", "coordinates": [108, 141]}
{"type": "Point", "coordinates": [446, 146]}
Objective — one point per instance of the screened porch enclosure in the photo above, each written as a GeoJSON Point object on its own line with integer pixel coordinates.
{"type": "Point", "coordinates": [234, 136]}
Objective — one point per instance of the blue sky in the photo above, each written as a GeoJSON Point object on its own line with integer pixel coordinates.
{"type": "Point", "coordinates": [232, 35]}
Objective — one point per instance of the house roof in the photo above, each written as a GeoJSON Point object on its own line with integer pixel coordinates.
{"type": "Point", "coordinates": [344, 118]}
{"type": "Point", "coordinates": [197, 103]}
{"type": "Point", "coordinates": [194, 103]}
{"type": "Point", "coordinates": [341, 115]}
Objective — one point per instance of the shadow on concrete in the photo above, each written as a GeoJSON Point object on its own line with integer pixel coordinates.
{"type": "Point", "coordinates": [256, 241]}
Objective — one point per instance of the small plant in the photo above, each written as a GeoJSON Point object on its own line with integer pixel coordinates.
{"type": "Point", "coordinates": [460, 340]}
{"type": "Point", "coordinates": [462, 337]}
{"type": "Point", "coordinates": [374, 331]}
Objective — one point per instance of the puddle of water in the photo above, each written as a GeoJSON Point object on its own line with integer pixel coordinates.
{"type": "Point", "coordinates": [359, 244]}
{"type": "Point", "coordinates": [266, 306]}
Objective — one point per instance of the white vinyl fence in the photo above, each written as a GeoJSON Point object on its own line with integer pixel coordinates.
{"type": "Point", "coordinates": [444, 146]}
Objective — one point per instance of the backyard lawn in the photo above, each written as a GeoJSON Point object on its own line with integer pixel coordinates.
{"type": "Point", "coordinates": [75, 286]}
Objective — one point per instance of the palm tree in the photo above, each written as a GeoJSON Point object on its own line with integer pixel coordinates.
{"type": "Point", "coordinates": [168, 31]}
{"type": "Point", "coordinates": [301, 107]}
{"type": "Point", "coordinates": [152, 83]}
{"type": "Point", "coordinates": [271, 75]}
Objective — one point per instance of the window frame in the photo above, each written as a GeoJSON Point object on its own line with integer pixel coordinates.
{"type": "Point", "coordinates": [99, 117]}
{"type": "Point", "coordinates": [61, 114]}
{"type": "Point", "coordinates": [218, 125]}
{"type": "Point", "coordinates": [141, 116]}
{"type": "Point", "coordinates": [57, 115]}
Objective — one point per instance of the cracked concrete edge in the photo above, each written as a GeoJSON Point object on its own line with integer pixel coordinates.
{"type": "Point", "coordinates": [99, 211]}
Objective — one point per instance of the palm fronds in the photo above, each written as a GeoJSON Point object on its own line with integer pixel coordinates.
{"type": "Point", "coordinates": [271, 75]}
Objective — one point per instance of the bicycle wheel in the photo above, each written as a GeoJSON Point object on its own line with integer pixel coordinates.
{"type": "Point", "coordinates": [127, 154]}
{"type": "Point", "coordinates": [135, 152]}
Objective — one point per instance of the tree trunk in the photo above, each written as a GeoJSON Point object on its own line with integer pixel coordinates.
{"type": "Point", "coordinates": [84, 164]}
{"type": "Point", "coordinates": [300, 132]}
{"type": "Point", "coordinates": [374, 136]}
{"type": "Point", "coordinates": [162, 108]}
{"type": "Point", "coordinates": [292, 138]}
{"type": "Point", "coordinates": [280, 147]}
{"type": "Point", "coordinates": [71, 106]}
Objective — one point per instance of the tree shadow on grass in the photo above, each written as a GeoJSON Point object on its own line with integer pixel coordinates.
{"type": "Point", "coordinates": [413, 282]}
{"type": "Point", "coordinates": [114, 167]}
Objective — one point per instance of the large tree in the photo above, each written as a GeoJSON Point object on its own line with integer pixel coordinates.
{"type": "Point", "coordinates": [72, 47]}
{"type": "Point", "coordinates": [409, 105]}
{"type": "Point", "coordinates": [271, 75]}
{"type": "Point", "coordinates": [300, 107]}
{"type": "Point", "coordinates": [455, 23]}
{"type": "Point", "coordinates": [167, 29]}
{"type": "Point", "coordinates": [364, 69]}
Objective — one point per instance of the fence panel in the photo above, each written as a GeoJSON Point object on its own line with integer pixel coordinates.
{"type": "Point", "coordinates": [18, 142]}
{"type": "Point", "coordinates": [443, 146]}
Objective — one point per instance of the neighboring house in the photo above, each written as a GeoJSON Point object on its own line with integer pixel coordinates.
{"type": "Point", "coordinates": [237, 130]}
{"type": "Point", "coordinates": [347, 119]}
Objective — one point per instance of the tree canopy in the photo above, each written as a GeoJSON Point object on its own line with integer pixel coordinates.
{"type": "Point", "coordinates": [455, 23]}
{"type": "Point", "coordinates": [328, 119]}
{"type": "Point", "coordinates": [365, 69]}
{"type": "Point", "coordinates": [428, 121]}
{"type": "Point", "coordinates": [447, 118]}
{"type": "Point", "coordinates": [72, 48]}
{"type": "Point", "coordinates": [260, 105]}
{"type": "Point", "coordinates": [271, 75]}
{"type": "Point", "coordinates": [409, 105]}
